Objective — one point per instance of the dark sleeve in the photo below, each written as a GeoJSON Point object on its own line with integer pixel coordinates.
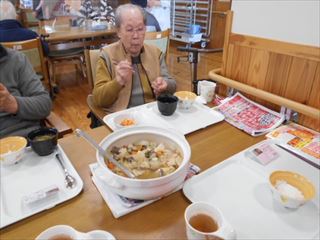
{"type": "Point", "coordinates": [157, 25]}
{"type": "Point", "coordinates": [152, 21]}
{"type": "Point", "coordinates": [45, 47]}
{"type": "Point", "coordinates": [34, 102]}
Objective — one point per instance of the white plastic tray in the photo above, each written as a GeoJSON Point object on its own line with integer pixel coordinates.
{"type": "Point", "coordinates": [199, 116]}
{"type": "Point", "coordinates": [239, 187]}
{"type": "Point", "coordinates": [31, 174]}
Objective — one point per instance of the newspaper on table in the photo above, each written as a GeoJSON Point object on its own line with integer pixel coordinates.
{"type": "Point", "coordinates": [300, 140]}
{"type": "Point", "coordinates": [249, 116]}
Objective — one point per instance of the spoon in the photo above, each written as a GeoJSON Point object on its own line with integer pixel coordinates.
{"type": "Point", "coordinates": [70, 181]}
{"type": "Point", "coordinates": [104, 153]}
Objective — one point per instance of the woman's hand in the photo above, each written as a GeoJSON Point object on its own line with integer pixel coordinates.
{"type": "Point", "coordinates": [159, 85]}
{"type": "Point", "coordinates": [8, 103]}
{"type": "Point", "coordinates": [124, 72]}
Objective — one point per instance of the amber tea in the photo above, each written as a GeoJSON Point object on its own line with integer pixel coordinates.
{"type": "Point", "coordinates": [203, 223]}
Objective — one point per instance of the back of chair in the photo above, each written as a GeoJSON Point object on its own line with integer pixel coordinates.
{"type": "Point", "coordinates": [28, 19]}
{"type": "Point", "coordinates": [91, 57]}
{"type": "Point", "coordinates": [33, 50]}
{"type": "Point", "coordinates": [159, 39]}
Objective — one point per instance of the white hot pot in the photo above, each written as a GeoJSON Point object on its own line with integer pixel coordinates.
{"type": "Point", "coordinates": [145, 188]}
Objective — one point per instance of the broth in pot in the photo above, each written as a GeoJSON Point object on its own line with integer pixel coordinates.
{"type": "Point", "coordinates": [146, 159]}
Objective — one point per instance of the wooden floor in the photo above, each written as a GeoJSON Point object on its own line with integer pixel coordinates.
{"type": "Point", "coordinates": [70, 104]}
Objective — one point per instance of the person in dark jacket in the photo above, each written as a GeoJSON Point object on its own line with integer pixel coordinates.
{"type": "Point", "coordinates": [23, 99]}
{"type": "Point", "coordinates": [11, 29]}
{"type": "Point", "coordinates": [152, 24]}
{"type": "Point", "coordinates": [37, 7]}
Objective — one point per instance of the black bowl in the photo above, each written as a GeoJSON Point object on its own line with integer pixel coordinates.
{"type": "Point", "coordinates": [167, 104]}
{"type": "Point", "coordinates": [43, 140]}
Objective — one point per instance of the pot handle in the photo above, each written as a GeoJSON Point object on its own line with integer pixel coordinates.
{"type": "Point", "coordinates": [226, 232]}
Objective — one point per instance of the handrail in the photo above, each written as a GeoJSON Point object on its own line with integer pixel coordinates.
{"type": "Point", "coordinates": [267, 96]}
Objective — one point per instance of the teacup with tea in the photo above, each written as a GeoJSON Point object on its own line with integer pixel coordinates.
{"type": "Point", "coordinates": [206, 90]}
{"type": "Point", "coordinates": [60, 232]}
{"type": "Point", "coordinates": [204, 221]}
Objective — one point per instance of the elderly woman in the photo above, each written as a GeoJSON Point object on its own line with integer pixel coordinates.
{"type": "Point", "coordinates": [97, 10]}
{"type": "Point", "coordinates": [129, 72]}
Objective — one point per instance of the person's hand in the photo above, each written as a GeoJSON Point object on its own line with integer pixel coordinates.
{"type": "Point", "coordinates": [124, 72]}
{"type": "Point", "coordinates": [159, 85]}
{"type": "Point", "coordinates": [8, 103]}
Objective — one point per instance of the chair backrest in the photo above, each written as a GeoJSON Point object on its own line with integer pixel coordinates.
{"type": "Point", "coordinates": [159, 39]}
{"type": "Point", "coordinates": [91, 58]}
{"type": "Point", "coordinates": [33, 50]}
{"type": "Point", "coordinates": [28, 19]}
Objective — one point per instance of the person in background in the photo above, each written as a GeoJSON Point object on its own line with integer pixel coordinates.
{"type": "Point", "coordinates": [151, 22]}
{"type": "Point", "coordinates": [97, 10]}
{"type": "Point", "coordinates": [11, 29]}
{"type": "Point", "coordinates": [161, 10]}
{"type": "Point", "coordinates": [23, 99]}
{"type": "Point", "coordinates": [129, 72]}
{"type": "Point", "coordinates": [37, 8]}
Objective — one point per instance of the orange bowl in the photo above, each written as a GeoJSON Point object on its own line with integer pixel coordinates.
{"type": "Point", "coordinates": [12, 149]}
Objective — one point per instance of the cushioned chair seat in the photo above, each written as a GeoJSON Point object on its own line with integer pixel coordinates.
{"type": "Point", "coordinates": [66, 52]}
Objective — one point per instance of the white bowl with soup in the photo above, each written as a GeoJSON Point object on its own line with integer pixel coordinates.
{"type": "Point", "coordinates": [159, 159]}
{"type": "Point", "coordinates": [12, 149]}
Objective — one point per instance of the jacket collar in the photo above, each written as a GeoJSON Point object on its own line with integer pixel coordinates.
{"type": "Point", "coordinates": [124, 51]}
{"type": "Point", "coordinates": [9, 24]}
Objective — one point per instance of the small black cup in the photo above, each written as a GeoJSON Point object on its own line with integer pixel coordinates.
{"type": "Point", "coordinates": [167, 104]}
{"type": "Point", "coordinates": [43, 140]}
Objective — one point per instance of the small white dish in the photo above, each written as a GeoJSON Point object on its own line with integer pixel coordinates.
{"type": "Point", "coordinates": [125, 120]}
{"type": "Point", "coordinates": [285, 185]}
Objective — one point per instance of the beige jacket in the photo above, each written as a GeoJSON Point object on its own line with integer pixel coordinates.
{"type": "Point", "coordinates": [108, 93]}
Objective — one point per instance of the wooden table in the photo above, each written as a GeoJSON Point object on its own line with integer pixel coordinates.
{"type": "Point", "coordinates": [160, 220]}
{"type": "Point", "coordinates": [63, 32]}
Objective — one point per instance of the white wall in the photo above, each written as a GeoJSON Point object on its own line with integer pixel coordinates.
{"type": "Point", "coordinates": [296, 21]}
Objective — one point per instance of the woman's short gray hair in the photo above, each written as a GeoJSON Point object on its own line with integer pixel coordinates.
{"type": "Point", "coordinates": [7, 10]}
{"type": "Point", "coordinates": [125, 7]}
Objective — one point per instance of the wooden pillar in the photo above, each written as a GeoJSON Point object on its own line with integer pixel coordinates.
{"type": "Point", "coordinates": [218, 23]}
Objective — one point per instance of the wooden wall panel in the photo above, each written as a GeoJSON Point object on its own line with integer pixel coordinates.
{"type": "Point", "coordinates": [285, 48]}
{"type": "Point", "coordinates": [258, 68]}
{"type": "Point", "coordinates": [313, 100]}
{"type": "Point", "coordinates": [240, 63]}
{"type": "Point", "coordinates": [300, 80]}
{"type": "Point", "coordinates": [285, 69]}
{"type": "Point", "coordinates": [278, 73]}
{"type": "Point", "coordinates": [218, 23]}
